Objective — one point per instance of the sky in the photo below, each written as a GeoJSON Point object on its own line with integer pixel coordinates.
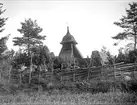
{"type": "Point", "coordinates": [90, 22]}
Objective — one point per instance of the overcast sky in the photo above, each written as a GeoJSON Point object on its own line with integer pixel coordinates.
{"type": "Point", "coordinates": [90, 22]}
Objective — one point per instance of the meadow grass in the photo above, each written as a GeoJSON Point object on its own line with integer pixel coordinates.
{"type": "Point", "coordinates": [66, 98]}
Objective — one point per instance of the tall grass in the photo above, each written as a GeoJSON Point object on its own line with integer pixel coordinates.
{"type": "Point", "coordinates": [115, 98]}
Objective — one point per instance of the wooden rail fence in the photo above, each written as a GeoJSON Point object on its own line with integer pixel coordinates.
{"type": "Point", "coordinates": [103, 73]}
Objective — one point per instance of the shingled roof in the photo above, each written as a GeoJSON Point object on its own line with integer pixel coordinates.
{"type": "Point", "coordinates": [68, 38]}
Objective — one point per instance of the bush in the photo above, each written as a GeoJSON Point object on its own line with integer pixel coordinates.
{"type": "Point", "coordinates": [19, 59]}
{"type": "Point", "coordinates": [108, 86]}
{"type": "Point", "coordinates": [95, 87]}
{"type": "Point", "coordinates": [132, 86]}
{"type": "Point", "coordinates": [127, 86]}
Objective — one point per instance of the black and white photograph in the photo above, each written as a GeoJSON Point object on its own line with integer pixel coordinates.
{"type": "Point", "coordinates": [68, 52]}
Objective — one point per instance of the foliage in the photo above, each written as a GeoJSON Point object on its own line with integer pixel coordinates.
{"type": "Point", "coordinates": [96, 59]}
{"type": "Point", "coordinates": [31, 37]}
{"type": "Point", "coordinates": [129, 24]}
{"type": "Point", "coordinates": [101, 58]}
{"type": "Point", "coordinates": [41, 55]}
{"type": "Point", "coordinates": [82, 63]}
{"type": "Point", "coordinates": [19, 59]}
{"type": "Point", "coordinates": [3, 40]}
{"type": "Point", "coordinates": [3, 46]}
{"type": "Point", "coordinates": [58, 61]}
{"type": "Point", "coordinates": [130, 57]}
{"type": "Point", "coordinates": [2, 20]}
{"type": "Point", "coordinates": [5, 55]}
{"type": "Point", "coordinates": [108, 59]}
{"type": "Point", "coordinates": [122, 57]}
{"type": "Point", "coordinates": [87, 60]}
{"type": "Point", "coordinates": [131, 85]}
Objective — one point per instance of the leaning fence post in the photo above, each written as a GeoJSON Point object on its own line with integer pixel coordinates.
{"type": "Point", "coordinates": [89, 66]}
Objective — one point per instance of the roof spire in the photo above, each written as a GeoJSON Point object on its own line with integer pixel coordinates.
{"type": "Point", "coordinates": [67, 29]}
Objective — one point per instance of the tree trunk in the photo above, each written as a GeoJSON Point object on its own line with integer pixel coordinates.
{"type": "Point", "coordinates": [30, 69]}
{"type": "Point", "coordinates": [134, 36]}
{"type": "Point", "coordinates": [28, 46]}
{"type": "Point", "coordinates": [28, 49]}
{"type": "Point", "coordinates": [135, 41]}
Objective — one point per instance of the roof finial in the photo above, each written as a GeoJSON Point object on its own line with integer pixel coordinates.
{"type": "Point", "coordinates": [67, 29]}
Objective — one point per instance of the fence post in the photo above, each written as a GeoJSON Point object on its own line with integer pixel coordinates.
{"type": "Point", "coordinates": [61, 73]}
{"type": "Point", "coordinates": [74, 76]}
{"type": "Point", "coordinates": [30, 69]}
{"type": "Point", "coordinates": [10, 74]}
{"type": "Point", "coordinates": [61, 79]}
{"type": "Point", "coordinates": [52, 71]}
{"type": "Point", "coordinates": [114, 66]}
{"type": "Point", "coordinates": [39, 74]}
{"type": "Point", "coordinates": [0, 73]}
{"type": "Point", "coordinates": [101, 74]}
{"type": "Point", "coordinates": [20, 78]}
{"type": "Point", "coordinates": [88, 73]}
{"type": "Point", "coordinates": [134, 68]}
{"type": "Point", "coordinates": [89, 66]}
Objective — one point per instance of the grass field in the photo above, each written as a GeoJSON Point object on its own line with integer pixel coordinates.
{"type": "Point", "coordinates": [57, 97]}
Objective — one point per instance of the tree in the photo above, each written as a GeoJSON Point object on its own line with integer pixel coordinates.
{"type": "Point", "coordinates": [3, 46]}
{"type": "Point", "coordinates": [132, 56]}
{"type": "Point", "coordinates": [96, 59]}
{"type": "Point", "coordinates": [121, 56]}
{"type": "Point", "coordinates": [58, 61]}
{"type": "Point", "coordinates": [31, 36]}
{"type": "Point", "coordinates": [129, 24]}
{"type": "Point", "coordinates": [104, 55]}
{"type": "Point", "coordinates": [2, 20]}
{"type": "Point", "coordinates": [41, 55]}
{"type": "Point", "coordinates": [3, 40]}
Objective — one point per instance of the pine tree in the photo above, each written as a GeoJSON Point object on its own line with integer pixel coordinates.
{"type": "Point", "coordinates": [3, 46]}
{"type": "Point", "coordinates": [129, 24]}
{"type": "Point", "coordinates": [2, 20]}
{"type": "Point", "coordinates": [31, 37]}
{"type": "Point", "coordinates": [3, 40]}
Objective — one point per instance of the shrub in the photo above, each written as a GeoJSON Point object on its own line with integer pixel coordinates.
{"type": "Point", "coordinates": [95, 87]}
{"type": "Point", "coordinates": [127, 86]}
{"type": "Point", "coordinates": [132, 86]}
